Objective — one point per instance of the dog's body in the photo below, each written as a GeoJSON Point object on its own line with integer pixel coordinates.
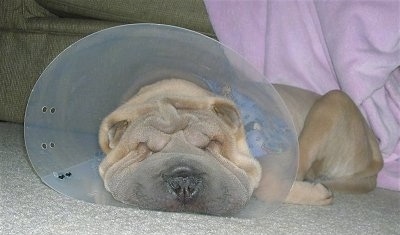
{"type": "Point", "coordinates": [177, 147]}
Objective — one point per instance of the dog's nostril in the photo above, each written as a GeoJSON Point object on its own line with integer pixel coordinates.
{"type": "Point", "coordinates": [184, 188]}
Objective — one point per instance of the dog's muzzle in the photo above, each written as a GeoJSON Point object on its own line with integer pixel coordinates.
{"type": "Point", "coordinates": [184, 183]}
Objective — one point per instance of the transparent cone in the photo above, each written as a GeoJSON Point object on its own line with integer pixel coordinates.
{"type": "Point", "coordinates": [93, 76]}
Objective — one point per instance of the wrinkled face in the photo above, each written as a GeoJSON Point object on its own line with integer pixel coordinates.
{"type": "Point", "coordinates": [178, 154]}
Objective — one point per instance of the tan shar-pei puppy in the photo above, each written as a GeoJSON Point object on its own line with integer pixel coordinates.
{"type": "Point", "coordinates": [175, 146]}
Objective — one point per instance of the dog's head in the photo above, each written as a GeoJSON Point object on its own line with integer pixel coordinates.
{"type": "Point", "coordinates": [178, 153]}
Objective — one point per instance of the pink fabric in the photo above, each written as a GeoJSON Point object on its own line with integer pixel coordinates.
{"type": "Point", "coordinates": [323, 45]}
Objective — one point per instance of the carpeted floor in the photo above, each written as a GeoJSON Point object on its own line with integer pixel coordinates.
{"type": "Point", "coordinates": [27, 206]}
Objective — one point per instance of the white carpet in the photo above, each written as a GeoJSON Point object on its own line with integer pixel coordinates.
{"type": "Point", "coordinates": [27, 206]}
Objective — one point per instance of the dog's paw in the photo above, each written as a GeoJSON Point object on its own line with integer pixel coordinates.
{"type": "Point", "coordinates": [306, 193]}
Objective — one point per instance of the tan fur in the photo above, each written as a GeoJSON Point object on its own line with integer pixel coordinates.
{"type": "Point", "coordinates": [337, 148]}
{"type": "Point", "coordinates": [180, 94]}
{"type": "Point", "coordinates": [338, 151]}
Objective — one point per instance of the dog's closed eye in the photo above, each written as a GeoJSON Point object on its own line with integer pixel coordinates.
{"type": "Point", "coordinates": [214, 146]}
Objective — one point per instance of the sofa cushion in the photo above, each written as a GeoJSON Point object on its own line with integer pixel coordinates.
{"type": "Point", "coordinates": [32, 36]}
{"type": "Point", "coordinates": [26, 53]}
{"type": "Point", "coordinates": [189, 14]}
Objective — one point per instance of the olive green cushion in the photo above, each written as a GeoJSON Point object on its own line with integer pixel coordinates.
{"type": "Point", "coordinates": [25, 54]}
{"type": "Point", "coordinates": [189, 14]}
{"type": "Point", "coordinates": [32, 35]}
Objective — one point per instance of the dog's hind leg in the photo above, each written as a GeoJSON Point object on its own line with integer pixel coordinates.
{"type": "Point", "coordinates": [364, 180]}
{"type": "Point", "coordinates": [337, 149]}
{"type": "Point", "coordinates": [360, 182]}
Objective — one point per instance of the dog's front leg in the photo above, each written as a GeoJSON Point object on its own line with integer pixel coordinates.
{"type": "Point", "coordinates": [307, 193]}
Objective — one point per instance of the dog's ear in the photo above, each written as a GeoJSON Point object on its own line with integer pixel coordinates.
{"type": "Point", "coordinates": [115, 133]}
{"type": "Point", "coordinates": [110, 133]}
{"type": "Point", "coordinates": [228, 112]}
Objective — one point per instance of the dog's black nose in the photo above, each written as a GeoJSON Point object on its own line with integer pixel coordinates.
{"type": "Point", "coordinates": [184, 184]}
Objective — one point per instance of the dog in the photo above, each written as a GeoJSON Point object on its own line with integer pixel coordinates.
{"type": "Point", "coordinates": [175, 146]}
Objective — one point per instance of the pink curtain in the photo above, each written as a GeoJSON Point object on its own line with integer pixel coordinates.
{"type": "Point", "coordinates": [323, 45]}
